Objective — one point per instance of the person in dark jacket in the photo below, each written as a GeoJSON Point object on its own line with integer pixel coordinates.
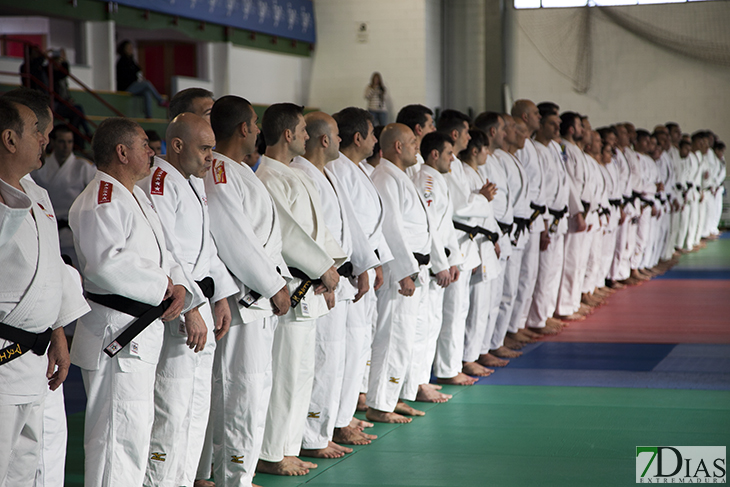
{"type": "Point", "coordinates": [130, 78]}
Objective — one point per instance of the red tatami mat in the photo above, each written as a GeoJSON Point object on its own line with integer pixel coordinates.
{"type": "Point", "coordinates": [659, 311]}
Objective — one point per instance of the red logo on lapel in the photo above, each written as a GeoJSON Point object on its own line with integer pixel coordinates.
{"type": "Point", "coordinates": [105, 192]}
{"type": "Point", "coordinates": [219, 172]}
{"type": "Point", "coordinates": [158, 182]}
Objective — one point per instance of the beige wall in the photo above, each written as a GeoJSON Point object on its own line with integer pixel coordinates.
{"type": "Point", "coordinates": [397, 47]}
{"type": "Point", "coordinates": [632, 79]}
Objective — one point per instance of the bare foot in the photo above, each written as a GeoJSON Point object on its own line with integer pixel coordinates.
{"type": "Point", "coordinates": [305, 463]}
{"type": "Point", "coordinates": [361, 406]}
{"type": "Point", "coordinates": [513, 344]}
{"type": "Point", "coordinates": [290, 466]}
{"type": "Point", "coordinates": [546, 331]}
{"type": "Point", "coordinates": [459, 379]}
{"type": "Point", "coordinates": [385, 417]}
{"type": "Point", "coordinates": [518, 337]}
{"type": "Point", "coordinates": [489, 360]}
{"type": "Point", "coordinates": [476, 369]}
{"type": "Point", "coordinates": [327, 452]}
{"type": "Point", "coordinates": [341, 448]}
{"type": "Point", "coordinates": [435, 387]}
{"type": "Point", "coordinates": [573, 317]}
{"type": "Point", "coordinates": [352, 436]}
{"type": "Point", "coordinates": [203, 483]}
{"type": "Point", "coordinates": [504, 352]}
{"type": "Point", "coordinates": [403, 408]}
{"type": "Point", "coordinates": [360, 424]}
{"type": "Point", "coordinates": [429, 394]}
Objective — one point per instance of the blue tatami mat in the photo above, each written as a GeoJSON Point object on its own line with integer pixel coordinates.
{"type": "Point", "coordinates": [695, 274]}
{"type": "Point", "coordinates": [685, 366]}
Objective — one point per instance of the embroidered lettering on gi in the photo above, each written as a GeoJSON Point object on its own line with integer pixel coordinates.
{"type": "Point", "coordinates": [394, 380]}
{"type": "Point", "coordinates": [158, 456]}
{"type": "Point", "coordinates": [158, 182]}
{"type": "Point", "coordinates": [313, 415]}
{"type": "Point", "coordinates": [237, 459]}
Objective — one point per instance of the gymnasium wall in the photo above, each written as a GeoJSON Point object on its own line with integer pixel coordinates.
{"type": "Point", "coordinates": [402, 42]}
{"type": "Point", "coordinates": [631, 79]}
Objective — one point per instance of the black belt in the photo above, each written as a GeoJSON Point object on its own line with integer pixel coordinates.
{"type": "Point", "coordinates": [616, 203]}
{"type": "Point", "coordinates": [603, 211]}
{"type": "Point", "coordinates": [679, 186]}
{"type": "Point", "coordinates": [505, 227]}
{"type": "Point", "coordinates": [252, 296]}
{"type": "Point", "coordinates": [522, 224]}
{"type": "Point", "coordinates": [207, 285]}
{"type": "Point", "coordinates": [646, 201]}
{"type": "Point", "coordinates": [145, 313]}
{"type": "Point", "coordinates": [476, 230]}
{"type": "Point", "coordinates": [629, 199]}
{"type": "Point", "coordinates": [558, 214]}
{"type": "Point", "coordinates": [23, 341]}
{"type": "Point", "coordinates": [586, 207]}
{"type": "Point", "coordinates": [537, 211]}
{"type": "Point", "coordinates": [421, 258]}
{"type": "Point", "coordinates": [302, 289]}
{"type": "Point", "coordinates": [346, 269]}
{"type": "Point", "coordinates": [62, 223]}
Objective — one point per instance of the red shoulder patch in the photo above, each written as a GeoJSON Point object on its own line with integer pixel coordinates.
{"type": "Point", "coordinates": [105, 192]}
{"type": "Point", "coordinates": [219, 171]}
{"type": "Point", "coordinates": [158, 182]}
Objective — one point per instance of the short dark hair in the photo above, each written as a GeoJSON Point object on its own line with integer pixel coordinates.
{"type": "Point", "coordinates": [183, 100]}
{"type": "Point", "coordinates": [59, 129]}
{"type": "Point", "coordinates": [641, 133]}
{"type": "Point", "coordinates": [351, 121]}
{"type": "Point", "coordinates": [278, 118]}
{"type": "Point", "coordinates": [684, 142]}
{"type": "Point", "coordinates": [604, 131]}
{"type": "Point", "coordinates": [412, 115]}
{"type": "Point", "coordinates": [122, 45]}
{"type": "Point", "coordinates": [451, 120]}
{"type": "Point", "coordinates": [671, 125]}
{"type": "Point", "coordinates": [10, 117]}
{"type": "Point", "coordinates": [37, 101]}
{"type": "Point", "coordinates": [434, 140]}
{"type": "Point", "coordinates": [479, 139]}
{"type": "Point", "coordinates": [548, 108]}
{"type": "Point", "coordinates": [110, 133]}
{"type": "Point", "coordinates": [376, 132]}
{"type": "Point", "coordinates": [153, 136]}
{"type": "Point", "coordinates": [719, 145]}
{"type": "Point", "coordinates": [567, 120]}
{"type": "Point", "coordinates": [487, 120]}
{"type": "Point", "coordinates": [227, 114]}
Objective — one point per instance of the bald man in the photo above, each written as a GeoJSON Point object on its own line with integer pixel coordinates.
{"type": "Point", "coordinates": [183, 382]}
{"type": "Point", "coordinates": [342, 324]}
{"type": "Point", "coordinates": [409, 234]}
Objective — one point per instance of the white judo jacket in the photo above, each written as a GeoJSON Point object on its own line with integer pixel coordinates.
{"type": "Point", "coordinates": [306, 243]}
{"type": "Point", "coordinates": [121, 249]}
{"type": "Point", "coordinates": [246, 230]}
{"type": "Point", "coordinates": [38, 291]}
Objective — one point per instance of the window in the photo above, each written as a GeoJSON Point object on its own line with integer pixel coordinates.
{"type": "Point", "coordinates": [590, 3]}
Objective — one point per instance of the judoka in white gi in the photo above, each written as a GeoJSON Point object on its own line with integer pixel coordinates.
{"type": "Point", "coordinates": [124, 259]}
{"type": "Point", "coordinates": [183, 382]}
{"type": "Point", "coordinates": [312, 254]}
{"type": "Point", "coordinates": [357, 143]}
{"type": "Point", "coordinates": [64, 175]}
{"type": "Point", "coordinates": [28, 225]}
{"type": "Point", "coordinates": [478, 338]}
{"type": "Point", "coordinates": [245, 227]}
{"type": "Point", "coordinates": [52, 461]}
{"type": "Point", "coordinates": [485, 239]}
{"type": "Point", "coordinates": [332, 331]}
{"type": "Point", "coordinates": [556, 187]}
{"type": "Point", "coordinates": [394, 373]}
{"type": "Point", "coordinates": [527, 116]}
{"type": "Point", "coordinates": [445, 328]}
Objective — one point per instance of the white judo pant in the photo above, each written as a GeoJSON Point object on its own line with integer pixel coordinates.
{"type": "Point", "coordinates": [371, 317]}
{"type": "Point", "coordinates": [182, 406]}
{"type": "Point", "coordinates": [329, 366]}
{"type": "Point", "coordinates": [450, 343]}
{"type": "Point", "coordinates": [545, 296]}
{"type": "Point", "coordinates": [693, 232]}
{"type": "Point", "coordinates": [291, 390]}
{"type": "Point", "coordinates": [52, 461]}
{"type": "Point", "coordinates": [424, 343]}
{"type": "Point", "coordinates": [21, 426]}
{"type": "Point", "coordinates": [477, 331]}
{"type": "Point", "coordinates": [392, 343]}
{"type": "Point", "coordinates": [643, 238]}
{"type": "Point", "coordinates": [683, 231]}
{"type": "Point", "coordinates": [242, 377]}
{"type": "Point", "coordinates": [593, 263]}
{"type": "Point", "coordinates": [571, 279]}
{"type": "Point", "coordinates": [505, 300]}
{"type": "Point", "coordinates": [609, 247]}
{"type": "Point", "coordinates": [357, 354]}
{"type": "Point", "coordinates": [526, 282]}
{"type": "Point", "coordinates": [118, 426]}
